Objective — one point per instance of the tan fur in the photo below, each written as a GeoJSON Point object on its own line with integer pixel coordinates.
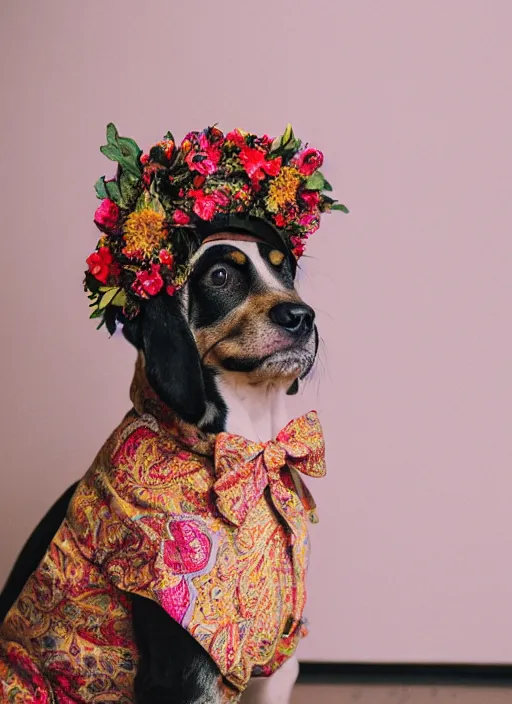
{"type": "Point", "coordinates": [247, 331]}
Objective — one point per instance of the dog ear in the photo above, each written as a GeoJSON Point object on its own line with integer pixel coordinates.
{"type": "Point", "coordinates": [172, 363]}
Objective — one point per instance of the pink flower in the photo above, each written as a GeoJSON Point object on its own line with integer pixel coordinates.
{"type": "Point", "coordinates": [220, 198]}
{"type": "Point", "coordinates": [256, 164]}
{"type": "Point", "coordinates": [201, 162]}
{"type": "Point", "coordinates": [101, 264]}
{"type": "Point", "coordinates": [310, 222]}
{"type": "Point", "coordinates": [203, 141]}
{"type": "Point", "coordinates": [205, 206]}
{"type": "Point", "coordinates": [148, 283]}
{"type": "Point", "coordinates": [311, 198]}
{"type": "Point", "coordinates": [107, 215]}
{"type": "Point", "coordinates": [309, 161]}
{"type": "Point", "coordinates": [180, 217]}
{"type": "Point", "coordinates": [204, 160]}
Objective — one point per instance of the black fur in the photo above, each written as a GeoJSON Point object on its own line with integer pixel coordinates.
{"type": "Point", "coordinates": [208, 303]}
{"type": "Point", "coordinates": [173, 366]}
{"type": "Point", "coordinates": [173, 667]}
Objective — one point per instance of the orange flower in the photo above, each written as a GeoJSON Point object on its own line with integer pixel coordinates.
{"type": "Point", "coordinates": [283, 189]}
{"type": "Point", "coordinates": [144, 231]}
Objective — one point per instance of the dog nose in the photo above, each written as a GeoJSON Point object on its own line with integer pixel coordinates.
{"type": "Point", "coordinates": [295, 318]}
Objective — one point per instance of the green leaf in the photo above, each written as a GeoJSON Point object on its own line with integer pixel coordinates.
{"type": "Point", "coordinates": [292, 146]}
{"type": "Point", "coordinates": [288, 135]}
{"type": "Point", "coordinates": [119, 299]}
{"type": "Point", "coordinates": [315, 182]}
{"type": "Point", "coordinates": [111, 152]}
{"type": "Point", "coordinates": [290, 142]}
{"type": "Point", "coordinates": [128, 185]}
{"type": "Point", "coordinates": [100, 189]}
{"type": "Point", "coordinates": [286, 141]}
{"type": "Point", "coordinates": [327, 186]}
{"type": "Point", "coordinates": [96, 313]}
{"type": "Point", "coordinates": [276, 144]}
{"type": "Point", "coordinates": [114, 192]}
{"type": "Point", "coordinates": [112, 133]}
{"type": "Point", "coordinates": [169, 135]}
{"type": "Point", "coordinates": [339, 206]}
{"type": "Point", "coordinates": [123, 150]}
{"type": "Point", "coordinates": [108, 297]}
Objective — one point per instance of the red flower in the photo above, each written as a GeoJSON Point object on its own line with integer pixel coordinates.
{"type": "Point", "coordinates": [298, 246]}
{"type": "Point", "coordinates": [167, 146]}
{"type": "Point", "coordinates": [149, 171]}
{"type": "Point", "coordinates": [100, 264]}
{"type": "Point", "coordinates": [144, 159]}
{"type": "Point", "coordinates": [107, 215]}
{"type": "Point", "coordinates": [205, 206]}
{"type": "Point", "coordinates": [148, 283]}
{"type": "Point", "coordinates": [280, 220]}
{"type": "Point", "coordinates": [199, 181]}
{"type": "Point", "coordinates": [311, 198]}
{"type": "Point", "coordinates": [215, 134]}
{"type": "Point", "coordinates": [180, 217]}
{"type": "Point", "coordinates": [166, 258]}
{"type": "Point", "coordinates": [171, 290]}
{"type": "Point", "coordinates": [309, 161]}
{"type": "Point", "coordinates": [236, 137]}
{"type": "Point", "coordinates": [256, 164]}
{"type": "Point", "coordinates": [265, 141]}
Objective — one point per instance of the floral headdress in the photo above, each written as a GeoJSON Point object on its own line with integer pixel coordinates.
{"type": "Point", "coordinates": [153, 212]}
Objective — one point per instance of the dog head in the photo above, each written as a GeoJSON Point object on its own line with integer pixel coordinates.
{"type": "Point", "coordinates": [239, 314]}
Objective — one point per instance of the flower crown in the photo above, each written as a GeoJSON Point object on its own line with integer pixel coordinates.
{"type": "Point", "coordinates": [152, 213]}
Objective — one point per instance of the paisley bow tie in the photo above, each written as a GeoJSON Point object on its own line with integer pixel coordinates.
{"type": "Point", "coordinates": [244, 469]}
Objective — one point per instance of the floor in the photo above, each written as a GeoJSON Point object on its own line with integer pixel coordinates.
{"type": "Point", "coordinates": [392, 694]}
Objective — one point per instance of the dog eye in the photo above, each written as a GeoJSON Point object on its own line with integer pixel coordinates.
{"type": "Point", "coordinates": [219, 277]}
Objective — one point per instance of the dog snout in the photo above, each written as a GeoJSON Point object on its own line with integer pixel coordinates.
{"type": "Point", "coordinates": [296, 318]}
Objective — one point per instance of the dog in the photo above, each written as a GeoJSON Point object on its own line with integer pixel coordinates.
{"type": "Point", "coordinates": [222, 354]}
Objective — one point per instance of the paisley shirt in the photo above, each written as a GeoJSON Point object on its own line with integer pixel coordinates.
{"type": "Point", "coordinates": [213, 528]}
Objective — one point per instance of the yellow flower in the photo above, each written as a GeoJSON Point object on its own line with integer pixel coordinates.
{"type": "Point", "coordinates": [144, 230]}
{"type": "Point", "coordinates": [283, 189]}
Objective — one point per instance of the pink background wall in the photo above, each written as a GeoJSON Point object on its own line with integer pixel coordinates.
{"type": "Point", "coordinates": [411, 102]}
